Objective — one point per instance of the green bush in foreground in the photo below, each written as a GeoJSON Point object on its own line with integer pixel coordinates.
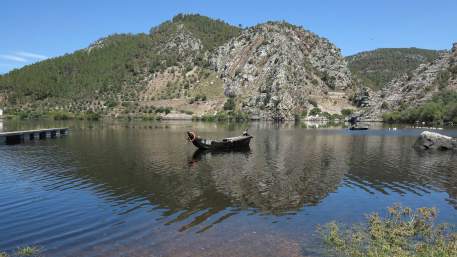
{"type": "Point", "coordinates": [402, 233]}
{"type": "Point", "coordinates": [28, 251]}
{"type": "Point", "coordinates": [25, 251]}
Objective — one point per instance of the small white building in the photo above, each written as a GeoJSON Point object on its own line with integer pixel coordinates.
{"type": "Point", "coordinates": [1, 112]}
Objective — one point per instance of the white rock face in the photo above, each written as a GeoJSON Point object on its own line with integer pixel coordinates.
{"type": "Point", "coordinates": [435, 141]}
{"type": "Point", "coordinates": [275, 68]}
{"type": "Point", "coordinates": [182, 43]}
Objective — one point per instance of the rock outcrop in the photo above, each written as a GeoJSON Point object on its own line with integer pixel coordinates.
{"type": "Point", "coordinates": [182, 43]}
{"type": "Point", "coordinates": [275, 69]}
{"type": "Point", "coordinates": [435, 141]}
{"type": "Point", "coordinates": [414, 89]}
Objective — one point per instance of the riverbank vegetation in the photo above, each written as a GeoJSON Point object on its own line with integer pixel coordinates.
{"type": "Point", "coordinates": [442, 108]}
{"type": "Point", "coordinates": [403, 232]}
{"type": "Point", "coordinates": [317, 114]}
{"type": "Point", "coordinates": [144, 112]}
{"type": "Point", "coordinates": [236, 116]}
{"type": "Point", "coordinates": [53, 115]}
{"type": "Point", "coordinates": [156, 113]}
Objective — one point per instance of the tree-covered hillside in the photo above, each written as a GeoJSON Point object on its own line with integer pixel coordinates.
{"type": "Point", "coordinates": [114, 65]}
{"type": "Point", "coordinates": [212, 33]}
{"type": "Point", "coordinates": [376, 68]}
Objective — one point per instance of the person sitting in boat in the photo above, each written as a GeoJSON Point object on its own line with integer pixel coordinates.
{"type": "Point", "coordinates": [353, 121]}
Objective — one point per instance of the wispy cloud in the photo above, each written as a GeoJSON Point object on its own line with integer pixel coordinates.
{"type": "Point", "coordinates": [15, 60]}
{"type": "Point", "coordinates": [6, 65]}
{"type": "Point", "coordinates": [11, 57]}
{"type": "Point", "coordinates": [31, 55]}
{"type": "Point", "coordinates": [23, 56]}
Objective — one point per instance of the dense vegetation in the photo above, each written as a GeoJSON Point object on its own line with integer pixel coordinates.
{"type": "Point", "coordinates": [112, 70]}
{"type": "Point", "coordinates": [376, 68]}
{"type": "Point", "coordinates": [402, 233]}
{"type": "Point", "coordinates": [99, 69]}
{"type": "Point", "coordinates": [224, 116]}
{"type": "Point", "coordinates": [442, 108]}
{"type": "Point", "coordinates": [212, 33]}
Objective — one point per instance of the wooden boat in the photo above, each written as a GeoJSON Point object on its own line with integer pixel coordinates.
{"type": "Point", "coordinates": [226, 143]}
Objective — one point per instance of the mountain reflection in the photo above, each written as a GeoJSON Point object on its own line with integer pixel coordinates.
{"type": "Point", "coordinates": [285, 170]}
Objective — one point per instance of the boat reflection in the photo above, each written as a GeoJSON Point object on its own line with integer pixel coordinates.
{"type": "Point", "coordinates": [204, 154]}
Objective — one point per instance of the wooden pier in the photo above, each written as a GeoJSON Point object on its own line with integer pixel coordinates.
{"type": "Point", "coordinates": [16, 137]}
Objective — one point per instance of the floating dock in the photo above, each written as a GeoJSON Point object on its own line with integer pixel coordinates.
{"type": "Point", "coordinates": [16, 137]}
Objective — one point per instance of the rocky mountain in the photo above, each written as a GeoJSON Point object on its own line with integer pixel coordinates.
{"type": "Point", "coordinates": [429, 82]}
{"type": "Point", "coordinates": [375, 69]}
{"type": "Point", "coordinates": [277, 69]}
{"type": "Point", "coordinates": [191, 64]}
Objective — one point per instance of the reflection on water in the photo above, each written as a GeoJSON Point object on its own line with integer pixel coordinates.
{"type": "Point", "coordinates": [135, 189]}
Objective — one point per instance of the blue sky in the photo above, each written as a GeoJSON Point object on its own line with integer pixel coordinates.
{"type": "Point", "coordinates": [34, 30]}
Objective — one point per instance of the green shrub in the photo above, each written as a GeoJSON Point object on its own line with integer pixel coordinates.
{"type": "Point", "coordinates": [441, 108]}
{"type": "Point", "coordinates": [27, 251]}
{"type": "Point", "coordinates": [402, 233]}
{"type": "Point", "coordinates": [347, 112]}
{"type": "Point", "coordinates": [297, 117]}
{"type": "Point", "coordinates": [391, 117]}
{"type": "Point", "coordinates": [198, 98]}
{"type": "Point", "coordinates": [161, 109]}
{"type": "Point", "coordinates": [327, 115]}
{"type": "Point", "coordinates": [149, 117]}
{"type": "Point", "coordinates": [229, 104]}
{"type": "Point", "coordinates": [442, 79]}
{"type": "Point", "coordinates": [239, 116]}
{"type": "Point", "coordinates": [315, 111]}
{"type": "Point", "coordinates": [90, 115]}
{"type": "Point", "coordinates": [431, 112]}
{"type": "Point", "coordinates": [187, 112]}
{"type": "Point", "coordinates": [61, 115]}
{"type": "Point", "coordinates": [110, 103]}
{"type": "Point", "coordinates": [336, 117]}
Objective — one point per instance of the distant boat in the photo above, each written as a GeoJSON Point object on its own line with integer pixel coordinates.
{"type": "Point", "coordinates": [226, 143]}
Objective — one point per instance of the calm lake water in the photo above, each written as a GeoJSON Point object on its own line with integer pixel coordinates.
{"type": "Point", "coordinates": [138, 189]}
